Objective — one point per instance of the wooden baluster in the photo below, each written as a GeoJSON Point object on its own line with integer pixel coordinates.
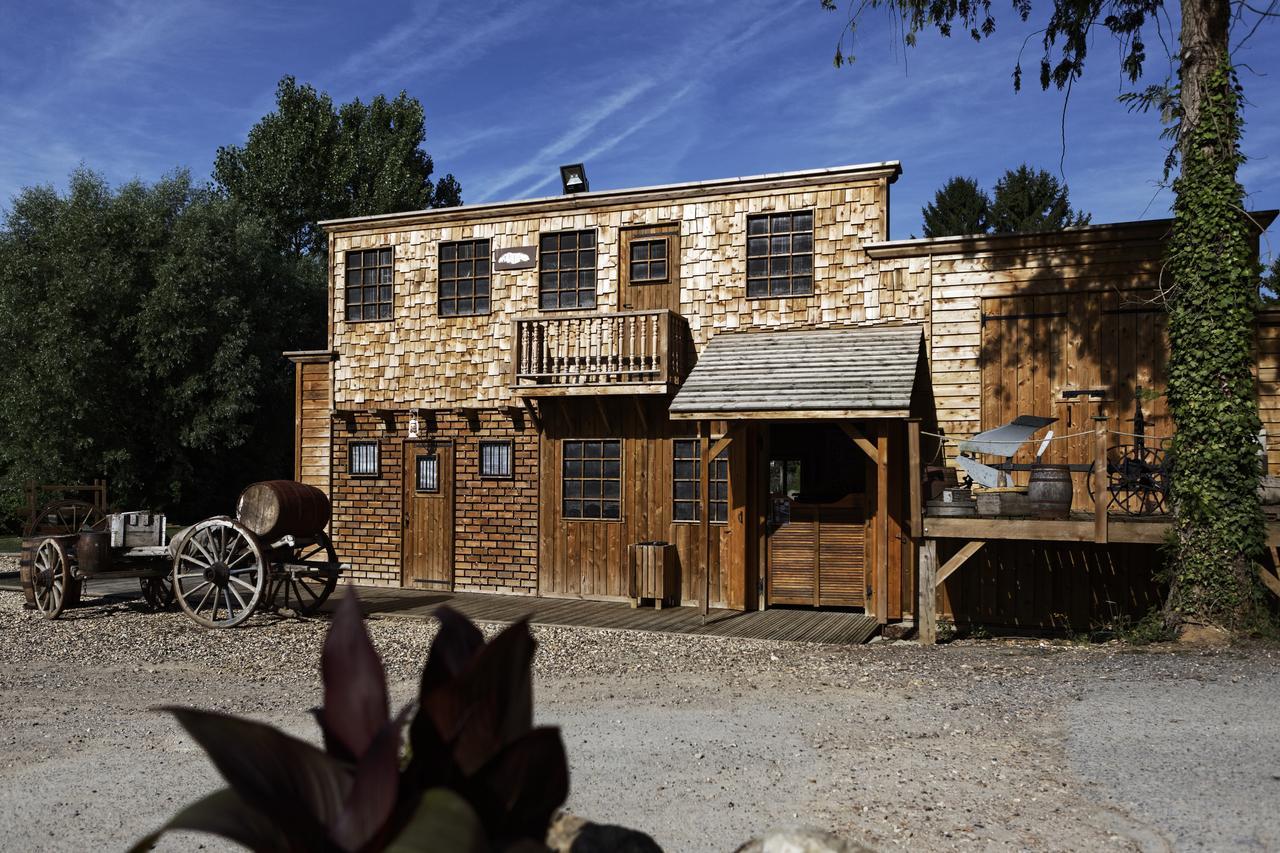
{"type": "Point", "coordinates": [522, 359]}
{"type": "Point", "coordinates": [611, 347]}
{"type": "Point", "coordinates": [631, 347]}
{"type": "Point", "coordinates": [593, 357]}
{"type": "Point", "coordinates": [653, 353]}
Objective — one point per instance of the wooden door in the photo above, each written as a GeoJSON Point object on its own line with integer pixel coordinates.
{"type": "Point", "coordinates": [817, 557]}
{"type": "Point", "coordinates": [649, 268]}
{"type": "Point", "coordinates": [428, 516]}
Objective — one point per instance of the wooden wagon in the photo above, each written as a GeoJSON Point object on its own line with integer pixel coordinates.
{"type": "Point", "coordinates": [273, 554]}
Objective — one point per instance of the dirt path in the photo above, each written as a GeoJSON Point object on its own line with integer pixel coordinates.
{"type": "Point", "coordinates": [699, 741]}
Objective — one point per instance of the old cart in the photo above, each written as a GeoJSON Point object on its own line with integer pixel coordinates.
{"type": "Point", "coordinates": [273, 554]}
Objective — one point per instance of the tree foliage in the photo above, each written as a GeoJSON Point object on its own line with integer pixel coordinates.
{"type": "Point", "coordinates": [1027, 199]}
{"type": "Point", "coordinates": [309, 161]}
{"type": "Point", "coordinates": [141, 332]}
{"type": "Point", "coordinates": [959, 207]}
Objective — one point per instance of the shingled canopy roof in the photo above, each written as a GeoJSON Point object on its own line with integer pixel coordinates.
{"type": "Point", "coordinates": [861, 372]}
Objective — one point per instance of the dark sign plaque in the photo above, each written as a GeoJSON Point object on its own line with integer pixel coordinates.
{"type": "Point", "coordinates": [515, 258]}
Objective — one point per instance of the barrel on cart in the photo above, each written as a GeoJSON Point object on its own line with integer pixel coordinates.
{"type": "Point", "coordinates": [274, 554]}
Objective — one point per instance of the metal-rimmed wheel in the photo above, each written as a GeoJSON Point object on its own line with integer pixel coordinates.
{"type": "Point", "coordinates": [64, 517]}
{"type": "Point", "coordinates": [51, 577]}
{"type": "Point", "coordinates": [158, 592]}
{"type": "Point", "coordinates": [219, 572]}
{"type": "Point", "coordinates": [1138, 480]}
{"type": "Point", "coordinates": [306, 578]}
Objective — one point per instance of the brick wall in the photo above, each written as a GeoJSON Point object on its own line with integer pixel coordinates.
{"type": "Point", "coordinates": [495, 521]}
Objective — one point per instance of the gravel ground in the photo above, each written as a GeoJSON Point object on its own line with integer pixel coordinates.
{"type": "Point", "coordinates": [700, 741]}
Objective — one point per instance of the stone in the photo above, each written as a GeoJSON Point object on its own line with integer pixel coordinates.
{"type": "Point", "coordinates": [572, 834]}
{"type": "Point", "coordinates": [801, 841]}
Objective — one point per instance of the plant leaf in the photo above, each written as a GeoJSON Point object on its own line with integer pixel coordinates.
{"type": "Point", "coordinates": [225, 814]}
{"type": "Point", "coordinates": [488, 704]}
{"type": "Point", "coordinates": [524, 785]}
{"type": "Point", "coordinates": [298, 785]}
{"type": "Point", "coordinates": [454, 647]}
{"type": "Point", "coordinates": [375, 789]}
{"type": "Point", "coordinates": [442, 821]}
{"type": "Point", "coordinates": [355, 687]}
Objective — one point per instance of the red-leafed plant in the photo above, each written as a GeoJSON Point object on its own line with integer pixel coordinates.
{"type": "Point", "coordinates": [478, 776]}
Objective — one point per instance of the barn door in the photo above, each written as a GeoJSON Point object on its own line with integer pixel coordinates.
{"type": "Point", "coordinates": [651, 268]}
{"type": "Point", "coordinates": [428, 516]}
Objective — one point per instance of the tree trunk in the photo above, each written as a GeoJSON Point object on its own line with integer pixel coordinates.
{"type": "Point", "coordinates": [1218, 526]}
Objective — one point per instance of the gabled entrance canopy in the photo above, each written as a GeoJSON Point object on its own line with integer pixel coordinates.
{"type": "Point", "coordinates": [843, 374]}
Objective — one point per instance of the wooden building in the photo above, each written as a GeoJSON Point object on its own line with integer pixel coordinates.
{"type": "Point", "coordinates": [514, 395]}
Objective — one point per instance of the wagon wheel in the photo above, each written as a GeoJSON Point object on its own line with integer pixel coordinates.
{"type": "Point", "coordinates": [51, 578]}
{"type": "Point", "coordinates": [158, 592]}
{"type": "Point", "coordinates": [1137, 481]}
{"type": "Point", "coordinates": [64, 517]}
{"type": "Point", "coordinates": [310, 575]}
{"type": "Point", "coordinates": [219, 571]}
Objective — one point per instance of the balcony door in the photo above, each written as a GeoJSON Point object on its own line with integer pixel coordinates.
{"type": "Point", "coordinates": [649, 268]}
{"type": "Point", "coordinates": [428, 516]}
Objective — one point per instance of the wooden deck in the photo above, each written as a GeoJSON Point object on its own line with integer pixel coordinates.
{"type": "Point", "coordinates": [796, 625]}
{"type": "Point", "coordinates": [1081, 527]}
{"type": "Point", "coordinates": [807, 626]}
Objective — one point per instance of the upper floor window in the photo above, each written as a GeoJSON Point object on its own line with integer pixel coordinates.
{"type": "Point", "coordinates": [567, 270]}
{"type": "Point", "coordinates": [648, 261]}
{"type": "Point", "coordinates": [780, 254]}
{"type": "Point", "coordinates": [464, 278]}
{"type": "Point", "coordinates": [369, 285]}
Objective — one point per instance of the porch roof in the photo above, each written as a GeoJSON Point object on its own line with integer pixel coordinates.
{"type": "Point", "coordinates": [841, 373]}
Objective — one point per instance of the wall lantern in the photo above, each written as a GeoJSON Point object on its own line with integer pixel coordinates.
{"type": "Point", "coordinates": [413, 423]}
{"type": "Point", "coordinates": [574, 178]}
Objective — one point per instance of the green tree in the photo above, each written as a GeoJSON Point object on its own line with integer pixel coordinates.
{"type": "Point", "coordinates": [960, 207]}
{"type": "Point", "coordinates": [1213, 296]}
{"type": "Point", "coordinates": [1027, 199]}
{"type": "Point", "coordinates": [309, 161]}
{"type": "Point", "coordinates": [141, 332]}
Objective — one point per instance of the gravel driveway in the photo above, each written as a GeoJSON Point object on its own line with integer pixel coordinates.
{"type": "Point", "coordinates": [702, 742]}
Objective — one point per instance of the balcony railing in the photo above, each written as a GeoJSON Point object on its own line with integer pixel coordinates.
{"type": "Point", "coordinates": [637, 352]}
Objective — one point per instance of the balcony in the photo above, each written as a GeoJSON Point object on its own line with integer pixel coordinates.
{"type": "Point", "coordinates": [624, 352]}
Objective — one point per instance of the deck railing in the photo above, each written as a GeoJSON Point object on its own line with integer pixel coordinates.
{"type": "Point", "coordinates": [615, 349]}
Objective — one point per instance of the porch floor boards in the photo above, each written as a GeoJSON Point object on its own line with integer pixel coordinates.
{"type": "Point", "coordinates": [809, 626]}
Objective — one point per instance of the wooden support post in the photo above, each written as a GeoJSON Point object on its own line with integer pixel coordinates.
{"type": "Point", "coordinates": [882, 524]}
{"type": "Point", "coordinates": [1101, 497]}
{"type": "Point", "coordinates": [959, 559]}
{"type": "Point", "coordinates": [862, 441]}
{"type": "Point", "coordinates": [915, 476]}
{"type": "Point", "coordinates": [927, 594]}
{"type": "Point", "coordinates": [704, 511]}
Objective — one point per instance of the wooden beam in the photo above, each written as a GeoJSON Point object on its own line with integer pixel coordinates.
{"type": "Point", "coordinates": [724, 441]}
{"type": "Point", "coordinates": [882, 524]}
{"type": "Point", "coordinates": [862, 441]}
{"type": "Point", "coordinates": [1271, 581]}
{"type": "Point", "coordinates": [533, 413]}
{"type": "Point", "coordinates": [927, 594]}
{"type": "Point", "coordinates": [914, 478]}
{"type": "Point", "coordinates": [604, 415]}
{"type": "Point", "coordinates": [958, 559]}
{"type": "Point", "coordinates": [704, 513]}
{"type": "Point", "coordinates": [644, 419]}
{"type": "Point", "coordinates": [784, 414]}
{"type": "Point", "coordinates": [1101, 497]}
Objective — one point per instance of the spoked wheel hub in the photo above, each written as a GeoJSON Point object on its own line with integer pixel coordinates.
{"type": "Point", "coordinates": [219, 572]}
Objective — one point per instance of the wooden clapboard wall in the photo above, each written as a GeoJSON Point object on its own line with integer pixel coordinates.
{"type": "Point", "coordinates": [1268, 368]}
{"type": "Point", "coordinates": [312, 423]}
{"type": "Point", "coordinates": [589, 558]}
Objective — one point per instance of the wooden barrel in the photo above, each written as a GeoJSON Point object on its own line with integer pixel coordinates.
{"type": "Point", "coordinates": [93, 552]}
{"type": "Point", "coordinates": [1049, 491]}
{"type": "Point", "coordinates": [275, 508]}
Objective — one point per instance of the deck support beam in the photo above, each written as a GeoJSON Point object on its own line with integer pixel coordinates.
{"type": "Point", "coordinates": [959, 559]}
{"type": "Point", "coordinates": [1101, 497]}
{"type": "Point", "coordinates": [927, 594]}
{"type": "Point", "coordinates": [704, 511]}
{"type": "Point", "coordinates": [882, 523]}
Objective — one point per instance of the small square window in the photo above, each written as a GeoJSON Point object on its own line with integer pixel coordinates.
{"type": "Point", "coordinates": [362, 459]}
{"type": "Point", "coordinates": [649, 261]}
{"type": "Point", "coordinates": [496, 460]}
{"type": "Point", "coordinates": [428, 473]}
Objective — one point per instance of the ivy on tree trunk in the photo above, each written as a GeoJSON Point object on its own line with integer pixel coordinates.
{"type": "Point", "coordinates": [1218, 526]}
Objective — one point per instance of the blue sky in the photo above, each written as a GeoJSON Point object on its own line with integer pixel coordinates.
{"type": "Point", "coordinates": [645, 93]}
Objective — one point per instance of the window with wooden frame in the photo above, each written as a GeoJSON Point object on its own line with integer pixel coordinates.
{"type": "Point", "coordinates": [780, 254]}
{"type": "Point", "coordinates": [496, 460]}
{"type": "Point", "coordinates": [567, 270]}
{"type": "Point", "coordinates": [369, 282]}
{"type": "Point", "coordinates": [427, 473]}
{"type": "Point", "coordinates": [464, 278]}
{"type": "Point", "coordinates": [649, 261]}
{"type": "Point", "coordinates": [591, 479]}
{"type": "Point", "coordinates": [362, 459]}
{"type": "Point", "coordinates": [687, 485]}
